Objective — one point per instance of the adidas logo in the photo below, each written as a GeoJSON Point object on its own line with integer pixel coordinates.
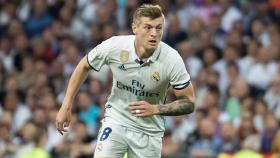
{"type": "Point", "coordinates": [122, 67]}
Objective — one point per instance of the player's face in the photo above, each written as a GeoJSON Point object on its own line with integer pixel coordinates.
{"type": "Point", "coordinates": [149, 32]}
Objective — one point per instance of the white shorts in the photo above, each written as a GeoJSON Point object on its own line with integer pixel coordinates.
{"type": "Point", "coordinates": [115, 140]}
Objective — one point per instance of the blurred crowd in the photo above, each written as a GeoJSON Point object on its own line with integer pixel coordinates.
{"type": "Point", "coordinates": [231, 49]}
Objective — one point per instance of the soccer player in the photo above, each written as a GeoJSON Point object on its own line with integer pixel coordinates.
{"type": "Point", "coordinates": [143, 68]}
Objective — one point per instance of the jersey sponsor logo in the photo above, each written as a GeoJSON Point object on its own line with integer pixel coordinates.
{"type": "Point", "coordinates": [137, 89]}
{"type": "Point", "coordinates": [155, 76]}
{"type": "Point", "coordinates": [124, 56]}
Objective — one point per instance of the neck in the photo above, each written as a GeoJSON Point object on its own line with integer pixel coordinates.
{"type": "Point", "coordinates": [141, 52]}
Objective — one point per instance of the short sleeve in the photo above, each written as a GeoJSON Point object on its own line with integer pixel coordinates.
{"type": "Point", "coordinates": [98, 56]}
{"type": "Point", "coordinates": [179, 78]}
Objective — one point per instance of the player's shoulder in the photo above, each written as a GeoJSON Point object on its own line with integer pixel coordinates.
{"type": "Point", "coordinates": [119, 42]}
{"type": "Point", "coordinates": [170, 53]}
{"type": "Point", "coordinates": [115, 43]}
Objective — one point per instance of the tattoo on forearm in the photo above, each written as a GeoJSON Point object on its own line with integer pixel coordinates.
{"type": "Point", "coordinates": [181, 106]}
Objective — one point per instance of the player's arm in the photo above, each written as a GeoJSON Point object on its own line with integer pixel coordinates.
{"type": "Point", "coordinates": [184, 104]}
{"type": "Point", "coordinates": [77, 78]}
{"type": "Point", "coordinates": [95, 59]}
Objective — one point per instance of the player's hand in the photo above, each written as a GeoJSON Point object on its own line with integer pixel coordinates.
{"type": "Point", "coordinates": [63, 119]}
{"type": "Point", "coordinates": [142, 108]}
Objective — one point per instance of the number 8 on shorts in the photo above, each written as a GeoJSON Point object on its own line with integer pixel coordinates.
{"type": "Point", "coordinates": [105, 133]}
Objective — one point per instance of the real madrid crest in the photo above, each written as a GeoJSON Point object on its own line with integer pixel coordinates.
{"type": "Point", "coordinates": [99, 147]}
{"type": "Point", "coordinates": [124, 56]}
{"type": "Point", "coordinates": [155, 76]}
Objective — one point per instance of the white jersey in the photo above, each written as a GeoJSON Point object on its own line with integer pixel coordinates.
{"type": "Point", "coordinates": [135, 81]}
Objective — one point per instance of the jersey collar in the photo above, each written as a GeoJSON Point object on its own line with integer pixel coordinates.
{"type": "Point", "coordinates": [155, 55]}
{"type": "Point", "coordinates": [152, 58]}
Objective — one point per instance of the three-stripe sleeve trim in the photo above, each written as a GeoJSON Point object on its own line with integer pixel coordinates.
{"type": "Point", "coordinates": [91, 65]}
{"type": "Point", "coordinates": [181, 85]}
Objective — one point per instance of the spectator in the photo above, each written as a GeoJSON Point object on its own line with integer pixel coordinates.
{"type": "Point", "coordinates": [230, 54]}
{"type": "Point", "coordinates": [269, 133]}
{"type": "Point", "coordinates": [230, 14]}
{"type": "Point", "coordinates": [271, 96]}
{"type": "Point", "coordinates": [229, 142]}
{"type": "Point", "coordinates": [246, 127]}
{"type": "Point", "coordinates": [174, 33]}
{"type": "Point", "coordinates": [39, 18]}
{"type": "Point", "coordinates": [208, 145]}
{"type": "Point", "coordinates": [88, 112]}
{"type": "Point", "coordinates": [219, 34]}
{"type": "Point", "coordinates": [265, 66]}
{"type": "Point", "coordinates": [33, 137]}
{"type": "Point", "coordinates": [185, 10]}
{"type": "Point", "coordinates": [188, 54]}
{"type": "Point", "coordinates": [246, 62]}
{"type": "Point", "coordinates": [210, 56]}
{"type": "Point", "coordinates": [249, 148]}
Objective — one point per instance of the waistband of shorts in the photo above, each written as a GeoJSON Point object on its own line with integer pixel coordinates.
{"type": "Point", "coordinates": [111, 122]}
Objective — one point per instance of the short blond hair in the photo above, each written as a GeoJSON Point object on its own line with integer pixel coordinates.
{"type": "Point", "coordinates": [147, 10]}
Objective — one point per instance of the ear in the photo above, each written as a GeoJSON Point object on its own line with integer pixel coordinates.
{"type": "Point", "coordinates": [134, 28]}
